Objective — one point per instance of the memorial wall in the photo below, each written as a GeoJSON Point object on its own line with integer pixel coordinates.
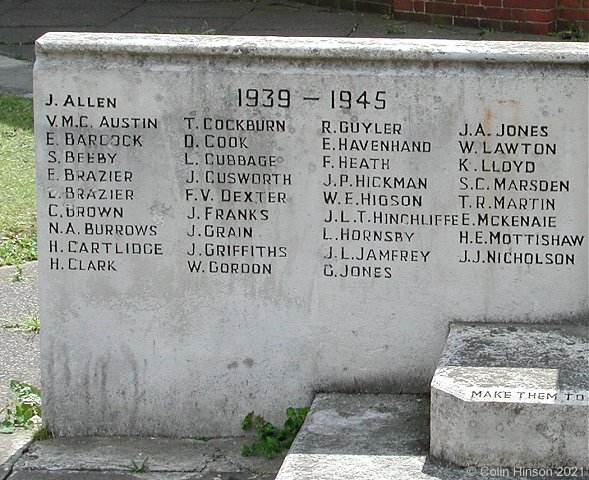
{"type": "Point", "coordinates": [228, 224]}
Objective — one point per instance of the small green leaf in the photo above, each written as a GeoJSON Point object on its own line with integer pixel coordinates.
{"type": "Point", "coordinates": [246, 423]}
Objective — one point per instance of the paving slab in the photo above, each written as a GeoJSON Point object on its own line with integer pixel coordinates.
{"type": "Point", "coordinates": [297, 20]}
{"type": "Point", "coordinates": [185, 26]}
{"type": "Point", "coordinates": [19, 52]}
{"type": "Point", "coordinates": [86, 475]}
{"type": "Point", "coordinates": [177, 17]}
{"type": "Point", "coordinates": [19, 352]}
{"type": "Point", "coordinates": [513, 395]}
{"type": "Point", "coordinates": [16, 78]}
{"type": "Point", "coordinates": [19, 360]}
{"type": "Point", "coordinates": [18, 298]}
{"type": "Point", "coordinates": [176, 9]}
{"type": "Point", "coordinates": [11, 446]}
{"type": "Point", "coordinates": [113, 457]}
{"type": "Point", "coordinates": [50, 13]}
{"type": "Point", "coordinates": [374, 26]}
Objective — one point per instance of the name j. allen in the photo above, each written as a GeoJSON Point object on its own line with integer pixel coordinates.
{"type": "Point", "coordinates": [87, 102]}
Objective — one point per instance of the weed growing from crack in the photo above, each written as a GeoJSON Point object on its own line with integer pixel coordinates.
{"type": "Point", "coordinates": [270, 439]}
{"type": "Point", "coordinates": [139, 468]}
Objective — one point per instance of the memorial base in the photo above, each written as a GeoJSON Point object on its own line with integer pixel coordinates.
{"type": "Point", "coordinates": [512, 396]}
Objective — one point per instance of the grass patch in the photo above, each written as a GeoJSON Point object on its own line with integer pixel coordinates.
{"type": "Point", "coordinates": [18, 238]}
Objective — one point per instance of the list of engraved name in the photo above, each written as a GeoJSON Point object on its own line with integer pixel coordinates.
{"type": "Point", "coordinates": [377, 198]}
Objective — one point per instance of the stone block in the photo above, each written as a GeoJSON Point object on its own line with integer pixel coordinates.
{"type": "Point", "coordinates": [512, 396]}
{"type": "Point", "coordinates": [230, 224]}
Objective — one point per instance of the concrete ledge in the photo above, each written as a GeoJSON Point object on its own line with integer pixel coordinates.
{"type": "Point", "coordinates": [316, 48]}
{"type": "Point", "coordinates": [514, 395]}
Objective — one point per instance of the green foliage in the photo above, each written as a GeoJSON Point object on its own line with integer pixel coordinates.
{"type": "Point", "coordinates": [139, 468]}
{"type": "Point", "coordinates": [24, 411]}
{"type": "Point", "coordinates": [395, 30]}
{"type": "Point", "coordinates": [486, 30]}
{"type": "Point", "coordinates": [43, 433]}
{"type": "Point", "coordinates": [571, 32]}
{"type": "Point", "coordinates": [204, 30]}
{"type": "Point", "coordinates": [18, 242]}
{"type": "Point", "coordinates": [15, 249]}
{"type": "Point", "coordinates": [270, 439]}
{"type": "Point", "coordinates": [29, 324]}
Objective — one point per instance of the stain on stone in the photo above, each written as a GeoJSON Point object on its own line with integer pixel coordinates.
{"type": "Point", "coordinates": [232, 365]}
{"type": "Point", "coordinates": [248, 362]}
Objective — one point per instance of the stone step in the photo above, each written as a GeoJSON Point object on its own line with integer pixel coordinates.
{"type": "Point", "coordinates": [512, 396]}
{"type": "Point", "coordinates": [372, 437]}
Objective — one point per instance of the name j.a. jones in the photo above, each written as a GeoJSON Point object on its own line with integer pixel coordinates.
{"type": "Point", "coordinates": [506, 130]}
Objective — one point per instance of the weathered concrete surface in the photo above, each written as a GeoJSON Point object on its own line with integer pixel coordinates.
{"type": "Point", "coordinates": [180, 459]}
{"type": "Point", "coordinates": [11, 447]}
{"type": "Point", "coordinates": [378, 437]}
{"type": "Point", "coordinates": [279, 312]}
{"type": "Point", "coordinates": [17, 76]}
{"type": "Point", "coordinates": [19, 351]}
{"type": "Point", "coordinates": [18, 298]}
{"type": "Point", "coordinates": [360, 436]}
{"type": "Point", "coordinates": [513, 395]}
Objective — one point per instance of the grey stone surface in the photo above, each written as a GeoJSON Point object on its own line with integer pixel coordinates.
{"type": "Point", "coordinates": [49, 13]}
{"type": "Point", "coordinates": [87, 475]}
{"type": "Point", "coordinates": [19, 351]}
{"type": "Point", "coordinates": [18, 298]}
{"type": "Point", "coordinates": [293, 19]}
{"type": "Point", "coordinates": [11, 446]}
{"type": "Point", "coordinates": [19, 360]}
{"type": "Point", "coordinates": [280, 312]}
{"type": "Point", "coordinates": [516, 395]}
{"type": "Point", "coordinates": [380, 437]}
{"type": "Point", "coordinates": [17, 76]}
{"type": "Point", "coordinates": [21, 53]}
{"type": "Point", "coordinates": [350, 437]}
{"type": "Point", "coordinates": [166, 458]}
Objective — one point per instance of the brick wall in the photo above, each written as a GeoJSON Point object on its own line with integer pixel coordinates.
{"type": "Point", "coordinates": [575, 12]}
{"type": "Point", "coordinates": [527, 16]}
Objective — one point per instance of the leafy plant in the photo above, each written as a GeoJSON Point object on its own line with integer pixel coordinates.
{"type": "Point", "coordinates": [29, 323]}
{"type": "Point", "coordinates": [43, 433]}
{"type": "Point", "coordinates": [25, 409]}
{"type": "Point", "coordinates": [270, 439]}
{"type": "Point", "coordinates": [139, 468]}
{"type": "Point", "coordinates": [571, 32]}
{"type": "Point", "coordinates": [17, 249]}
{"type": "Point", "coordinates": [395, 30]}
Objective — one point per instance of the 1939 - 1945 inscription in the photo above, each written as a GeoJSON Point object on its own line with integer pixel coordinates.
{"type": "Point", "coordinates": [376, 206]}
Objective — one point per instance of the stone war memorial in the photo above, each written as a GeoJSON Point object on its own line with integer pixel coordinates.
{"type": "Point", "coordinates": [230, 224]}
